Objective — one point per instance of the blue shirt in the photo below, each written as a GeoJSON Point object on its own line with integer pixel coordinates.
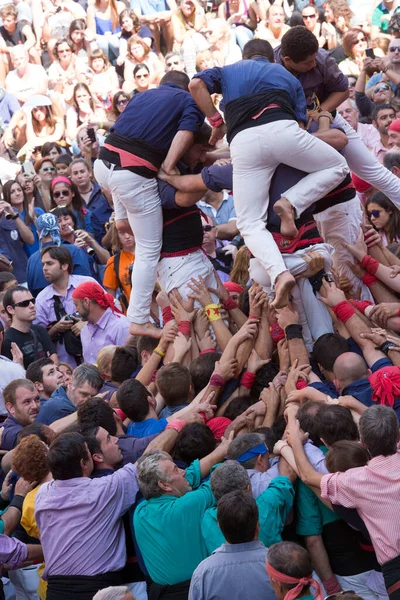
{"type": "Point", "coordinates": [35, 278]}
{"type": "Point", "coordinates": [157, 115]}
{"type": "Point", "coordinates": [32, 248]}
{"type": "Point", "coordinates": [12, 427]}
{"type": "Point", "coordinates": [100, 212]}
{"type": "Point", "coordinates": [168, 411]}
{"type": "Point", "coordinates": [13, 247]}
{"type": "Point", "coordinates": [147, 427]}
{"type": "Point", "coordinates": [56, 407]}
{"type": "Point", "coordinates": [225, 213]}
{"type": "Point", "coordinates": [362, 390]}
{"type": "Point", "coordinates": [248, 77]}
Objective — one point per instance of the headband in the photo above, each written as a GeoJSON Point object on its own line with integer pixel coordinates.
{"type": "Point", "coordinates": [253, 452]}
{"type": "Point", "coordinates": [301, 583]}
{"type": "Point", "coordinates": [60, 179]}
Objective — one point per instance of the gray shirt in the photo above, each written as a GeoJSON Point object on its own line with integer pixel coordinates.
{"type": "Point", "coordinates": [233, 572]}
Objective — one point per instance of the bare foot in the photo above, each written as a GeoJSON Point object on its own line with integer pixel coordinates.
{"type": "Point", "coordinates": [145, 329]}
{"type": "Point", "coordinates": [283, 284]}
{"type": "Point", "coordinates": [285, 211]}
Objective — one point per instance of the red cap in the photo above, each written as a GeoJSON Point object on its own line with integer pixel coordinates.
{"type": "Point", "coordinates": [395, 126]}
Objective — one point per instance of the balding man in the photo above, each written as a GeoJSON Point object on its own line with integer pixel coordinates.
{"type": "Point", "coordinates": [367, 132]}
{"type": "Point", "coordinates": [26, 79]}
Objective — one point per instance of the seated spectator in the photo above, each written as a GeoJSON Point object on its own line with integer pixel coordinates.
{"type": "Point", "coordinates": [273, 28]}
{"type": "Point", "coordinates": [86, 382]}
{"type": "Point", "coordinates": [46, 170]}
{"type": "Point", "coordinates": [14, 32]}
{"type": "Point", "coordinates": [46, 377]}
{"type": "Point", "coordinates": [367, 132]}
{"type": "Point", "coordinates": [130, 25]}
{"type": "Point", "coordinates": [104, 326]}
{"type": "Point", "coordinates": [141, 76]}
{"type": "Point", "coordinates": [25, 79]}
{"type": "Point", "coordinates": [241, 18]}
{"type": "Point", "coordinates": [158, 19]}
{"type": "Point", "coordinates": [222, 47]}
{"type": "Point", "coordinates": [22, 402]}
{"type": "Point", "coordinates": [119, 103]}
{"type": "Point", "coordinates": [387, 71]}
{"type": "Point", "coordinates": [384, 217]}
{"type": "Point", "coordinates": [204, 60]}
{"type": "Point", "coordinates": [63, 72]}
{"type": "Point", "coordinates": [354, 45]}
{"type": "Point", "coordinates": [57, 20]}
{"type": "Point", "coordinates": [83, 109]}
{"type": "Point", "coordinates": [219, 206]}
{"type": "Point", "coordinates": [240, 560]}
{"type": "Point", "coordinates": [174, 62]}
{"type": "Point", "coordinates": [381, 93]}
{"type": "Point", "coordinates": [139, 53]}
{"type": "Point", "coordinates": [103, 21]}
{"type": "Point", "coordinates": [105, 80]}
{"type": "Point", "coordinates": [33, 340]}
{"type": "Point", "coordinates": [381, 17]}
{"type": "Point", "coordinates": [80, 37]}
{"type": "Point", "coordinates": [9, 105]}
{"type": "Point", "coordinates": [189, 23]}
{"type": "Point", "coordinates": [337, 14]}
{"type": "Point", "coordinates": [62, 164]}
{"type": "Point", "coordinates": [310, 16]}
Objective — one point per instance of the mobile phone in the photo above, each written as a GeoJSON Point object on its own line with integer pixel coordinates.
{"type": "Point", "coordinates": [370, 53]}
{"type": "Point", "coordinates": [27, 169]}
{"type": "Point", "coordinates": [58, 9]}
{"type": "Point", "coordinates": [91, 135]}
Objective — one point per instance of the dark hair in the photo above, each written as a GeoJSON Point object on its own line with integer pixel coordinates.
{"type": "Point", "coordinates": [65, 456]}
{"type": "Point", "coordinates": [201, 369]}
{"type": "Point", "coordinates": [34, 371]}
{"type": "Point", "coordinates": [394, 24]}
{"type": "Point", "coordinates": [377, 110]}
{"type": "Point", "coordinates": [394, 222]}
{"type": "Point", "coordinates": [237, 515]}
{"type": "Point", "coordinates": [123, 364]}
{"type": "Point", "coordinates": [77, 88]}
{"type": "Point", "coordinates": [62, 255]}
{"type": "Point", "coordinates": [77, 203]}
{"type": "Point", "coordinates": [132, 400]}
{"type": "Point", "coordinates": [195, 442]}
{"type": "Point", "coordinates": [290, 559]}
{"type": "Point", "coordinates": [308, 417]}
{"type": "Point", "coordinates": [298, 44]}
{"type": "Point", "coordinates": [336, 423]}
{"type": "Point", "coordinates": [63, 159]}
{"type": "Point", "coordinates": [173, 382]}
{"type": "Point", "coordinates": [139, 68]}
{"type": "Point", "coordinates": [48, 147]}
{"type": "Point", "coordinates": [96, 411]}
{"type": "Point", "coordinates": [145, 343]}
{"type": "Point", "coordinates": [115, 100]}
{"type": "Point", "coordinates": [76, 25]}
{"type": "Point", "coordinates": [203, 134]}
{"type": "Point", "coordinates": [5, 277]}
{"type": "Point", "coordinates": [237, 406]}
{"type": "Point", "coordinates": [350, 40]}
{"type": "Point", "coordinates": [132, 15]}
{"type": "Point", "coordinates": [328, 347]}
{"type": "Point", "coordinates": [264, 376]}
{"type": "Point", "coordinates": [64, 211]}
{"type": "Point", "coordinates": [268, 434]}
{"type": "Point", "coordinates": [178, 78]}
{"type": "Point", "coordinates": [63, 41]}
{"type": "Point", "coordinates": [258, 48]}
{"type": "Point", "coordinates": [8, 299]}
{"type": "Point", "coordinates": [7, 197]}
{"type": "Point", "coordinates": [344, 455]}
{"type": "Point", "coordinates": [89, 432]}
{"type": "Point", "coordinates": [42, 431]}
{"type": "Point", "coordinates": [379, 430]}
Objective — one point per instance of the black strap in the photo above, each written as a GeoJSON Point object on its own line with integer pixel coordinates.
{"type": "Point", "coordinates": [117, 259]}
{"type": "Point", "coordinates": [58, 308]}
{"type": "Point", "coordinates": [218, 266]}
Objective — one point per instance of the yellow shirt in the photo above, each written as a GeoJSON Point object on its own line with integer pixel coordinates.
{"type": "Point", "coordinates": [28, 522]}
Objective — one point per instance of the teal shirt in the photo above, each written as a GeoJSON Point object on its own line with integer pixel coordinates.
{"type": "Point", "coordinates": [168, 531]}
{"type": "Point", "coordinates": [274, 505]}
{"type": "Point", "coordinates": [381, 17]}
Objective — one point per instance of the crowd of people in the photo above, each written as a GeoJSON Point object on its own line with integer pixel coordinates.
{"type": "Point", "coordinates": [199, 299]}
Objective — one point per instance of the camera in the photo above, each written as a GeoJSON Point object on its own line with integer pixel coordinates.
{"type": "Point", "coordinates": [72, 317]}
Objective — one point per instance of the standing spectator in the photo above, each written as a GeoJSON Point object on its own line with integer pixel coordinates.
{"type": "Point", "coordinates": [105, 80]}
{"type": "Point", "coordinates": [384, 217]}
{"type": "Point", "coordinates": [63, 71]}
{"type": "Point", "coordinates": [139, 53]}
{"type": "Point", "coordinates": [367, 132]}
{"type": "Point", "coordinates": [117, 276]}
{"type": "Point", "coordinates": [189, 23]}
{"type": "Point", "coordinates": [14, 233]}
{"type": "Point", "coordinates": [14, 32]}
{"type": "Point", "coordinates": [219, 206]}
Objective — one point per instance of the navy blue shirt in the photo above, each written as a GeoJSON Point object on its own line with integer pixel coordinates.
{"type": "Point", "coordinates": [157, 115]}
{"type": "Point", "coordinates": [361, 389]}
{"type": "Point", "coordinates": [248, 77]}
{"type": "Point", "coordinates": [56, 407]}
{"type": "Point", "coordinates": [100, 212]}
{"type": "Point", "coordinates": [10, 433]}
{"type": "Point", "coordinates": [35, 278]}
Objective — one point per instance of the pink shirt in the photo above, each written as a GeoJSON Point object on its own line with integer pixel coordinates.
{"type": "Point", "coordinates": [374, 490]}
{"type": "Point", "coordinates": [368, 134]}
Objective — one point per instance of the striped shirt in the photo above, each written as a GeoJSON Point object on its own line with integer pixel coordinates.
{"type": "Point", "coordinates": [374, 490]}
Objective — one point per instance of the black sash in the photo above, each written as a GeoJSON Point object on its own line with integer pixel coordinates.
{"type": "Point", "coordinates": [79, 587]}
{"type": "Point", "coordinates": [391, 575]}
{"type": "Point", "coordinates": [178, 591]}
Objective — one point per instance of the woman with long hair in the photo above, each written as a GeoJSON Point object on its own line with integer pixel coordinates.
{"type": "Point", "coordinates": [130, 25]}
{"type": "Point", "coordinates": [80, 38]}
{"type": "Point", "coordinates": [63, 192]}
{"type": "Point", "coordinates": [14, 194]}
{"type": "Point", "coordinates": [338, 16]}
{"type": "Point", "coordinates": [105, 79]}
{"type": "Point", "coordinates": [103, 20]}
{"type": "Point", "coordinates": [384, 216]}
{"type": "Point", "coordinates": [32, 128]}
{"type": "Point", "coordinates": [119, 103]}
{"type": "Point", "coordinates": [189, 23]}
{"type": "Point", "coordinates": [30, 185]}
{"type": "Point", "coordinates": [82, 110]}
{"type": "Point", "coordinates": [46, 169]}
{"type": "Point", "coordinates": [139, 53]}
{"type": "Point", "coordinates": [62, 72]}
{"type": "Point", "coordinates": [355, 43]}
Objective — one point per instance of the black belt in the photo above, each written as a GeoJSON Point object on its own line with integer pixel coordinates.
{"type": "Point", "coordinates": [109, 165]}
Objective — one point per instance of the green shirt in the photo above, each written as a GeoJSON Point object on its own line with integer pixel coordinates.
{"type": "Point", "coordinates": [274, 505]}
{"type": "Point", "coordinates": [381, 17]}
{"type": "Point", "coordinates": [168, 531]}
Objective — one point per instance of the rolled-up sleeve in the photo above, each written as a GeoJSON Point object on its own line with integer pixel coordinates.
{"type": "Point", "coordinates": [212, 78]}
{"type": "Point", "coordinates": [217, 178]}
{"type": "Point", "coordinates": [12, 551]}
{"type": "Point", "coordinates": [192, 117]}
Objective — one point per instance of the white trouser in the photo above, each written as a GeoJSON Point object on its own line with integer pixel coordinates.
{"type": "Point", "coordinates": [313, 314]}
{"type": "Point", "coordinates": [256, 152]}
{"type": "Point", "coordinates": [364, 164]}
{"type": "Point", "coordinates": [26, 582]}
{"type": "Point", "coordinates": [136, 198]}
{"type": "Point", "coordinates": [364, 584]}
{"type": "Point", "coordinates": [338, 224]}
{"type": "Point", "coordinates": [176, 271]}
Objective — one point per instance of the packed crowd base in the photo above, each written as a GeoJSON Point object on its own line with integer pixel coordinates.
{"type": "Point", "coordinates": [199, 300]}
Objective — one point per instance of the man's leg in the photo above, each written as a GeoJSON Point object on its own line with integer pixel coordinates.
{"type": "Point", "coordinates": [253, 168]}
{"type": "Point", "coordinates": [140, 198]}
{"type": "Point", "coordinates": [365, 165]}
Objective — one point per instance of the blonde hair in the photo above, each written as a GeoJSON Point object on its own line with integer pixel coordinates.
{"type": "Point", "coordinates": [104, 360]}
{"type": "Point", "coordinates": [221, 26]}
{"type": "Point", "coordinates": [240, 270]}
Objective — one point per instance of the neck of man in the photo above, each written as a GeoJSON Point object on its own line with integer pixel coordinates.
{"type": "Point", "coordinates": [210, 250]}
{"type": "Point", "coordinates": [23, 326]}
{"type": "Point", "coordinates": [151, 414]}
{"type": "Point", "coordinates": [61, 285]}
{"type": "Point", "coordinates": [96, 313]}
{"type": "Point", "coordinates": [276, 29]}
{"type": "Point", "coordinates": [385, 140]}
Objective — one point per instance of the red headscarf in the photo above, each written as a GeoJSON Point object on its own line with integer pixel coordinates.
{"type": "Point", "coordinates": [301, 583]}
{"type": "Point", "coordinates": [386, 385]}
{"type": "Point", "coordinates": [218, 426]}
{"type": "Point", "coordinates": [233, 288]}
{"type": "Point", "coordinates": [94, 291]}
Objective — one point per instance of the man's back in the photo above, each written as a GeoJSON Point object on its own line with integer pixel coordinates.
{"type": "Point", "coordinates": [231, 572]}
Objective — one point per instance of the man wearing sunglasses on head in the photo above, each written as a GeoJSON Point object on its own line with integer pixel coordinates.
{"type": "Point", "coordinates": [33, 340]}
{"type": "Point", "coordinates": [382, 93]}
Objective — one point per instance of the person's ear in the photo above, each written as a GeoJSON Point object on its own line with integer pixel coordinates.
{"type": "Point", "coordinates": [39, 386]}
{"type": "Point", "coordinates": [165, 486]}
{"type": "Point", "coordinates": [336, 384]}
{"type": "Point", "coordinates": [11, 408]}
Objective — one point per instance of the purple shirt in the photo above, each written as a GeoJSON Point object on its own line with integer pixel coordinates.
{"type": "Point", "coordinates": [45, 313]}
{"type": "Point", "coordinates": [86, 516]}
{"type": "Point", "coordinates": [111, 329]}
{"type": "Point", "coordinates": [12, 551]}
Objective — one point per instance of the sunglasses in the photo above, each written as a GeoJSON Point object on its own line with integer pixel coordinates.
{"type": "Point", "coordinates": [173, 62]}
{"type": "Point", "coordinates": [207, 227]}
{"type": "Point", "coordinates": [25, 303]}
{"type": "Point", "coordinates": [373, 213]}
{"type": "Point", "coordinates": [47, 169]}
{"type": "Point", "coordinates": [394, 48]}
{"type": "Point", "coordinates": [142, 76]}
{"type": "Point", "coordinates": [122, 102]}
{"type": "Point", "coordinates": [380, 88]}
{"type": "Point", "coordinates": [309, 16]}
{"type": "Point", "coordinates": [62, 193]}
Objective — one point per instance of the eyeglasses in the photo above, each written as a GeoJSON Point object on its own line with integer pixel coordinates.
{"type": "Point", "coordinates": [394, 48]}
{"type": "Point", "coordinates": [309, 16]}
{"type": "Point", "coordinates": [142, 76]}
{"type": "Point", "coordinates": [379, 88]}
{"type": "Point", "coordinates": [62, 193]}
{"type": "Point", "coordinates": [373, 213]}
{"type": "Point", "coordinates": [25, 303]}
{"type": "Point", "coordinates": [352, 83]}
{"type": "Point", "coordinates": [47, 169]}
{"type": "Point", "coordinates": [122, 102]}
{"type": "Point", "coordinates": [207, 227]}
{"type": "Point", "coordinates": [67, 50]}
{"type": "Point", "coordinates": [172, 62]}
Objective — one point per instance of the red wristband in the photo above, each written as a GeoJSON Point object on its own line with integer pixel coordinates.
{"type": "Point", "coordinates": [167, 314]}
{"type": "Point", "coordinates": [217, 381]}
{"type": "Point", "coordinates": [254, 318]}
{"type": "Point", "coordinates": [248, 379]}
{"type": "Point", "coordinates": [184, 327]}
{"type": "Point", "coordinates": [216, 120]}
{"type": "Point", "coordinates": [369, 264]}
{"type": "Point", "coordinates": [176, 424]}
{"type": "Point", "coordinates": [229, 303]}
{"type": "Point", "coordinates": [344, 310]}
{"type": "Point", "coordinates": [207, 351]}
{"type": "Point", "coordinates": [361, 305]}
{"type": "Point", "coordinates": [368, 279]}
{"type": "Point", "coordinates": [301, 384]}
{"type": "Point", "coordinates": [276, 332]}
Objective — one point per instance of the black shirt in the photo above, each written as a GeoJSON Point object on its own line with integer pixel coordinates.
{"type": "Point", "coordinates": [33, 345]}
